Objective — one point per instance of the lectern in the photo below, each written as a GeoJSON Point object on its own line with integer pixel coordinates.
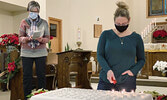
{"type": "Point", "coordinates": [74, 58]}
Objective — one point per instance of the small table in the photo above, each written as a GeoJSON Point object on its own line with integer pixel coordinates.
{"type": "Point", "coordinates": [88, 94]}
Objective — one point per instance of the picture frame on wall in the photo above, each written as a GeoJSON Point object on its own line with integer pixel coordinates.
{"type": "Point", "coordinates": [97, 30]}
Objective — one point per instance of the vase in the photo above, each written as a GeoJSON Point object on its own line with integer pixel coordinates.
{"type": "Point", "coordinates": [10, 48]}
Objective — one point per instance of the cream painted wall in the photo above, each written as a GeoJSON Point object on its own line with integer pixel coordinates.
{"type": "Point", "coordinates": [17, 17]}
{"type": "Point", "coordinates": [22, 3]}
{"type": "Point", "coordinates": [82, 14]}
{"type": "Point", "coordinates": [61, 9]}
{"type": "Point", "coordinates": [6, 22]}
{"type": "Point", "coordinates": [9, 21]}
{"type": "Point", "coordinates": [42, 4]}
{"type": "Point", "coordinates": [138, 15]}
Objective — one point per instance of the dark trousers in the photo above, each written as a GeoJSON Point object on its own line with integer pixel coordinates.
{"type": "Point", "coordinates": [128, 85]}
{"type": "Point", "coordinates": [40, 64]}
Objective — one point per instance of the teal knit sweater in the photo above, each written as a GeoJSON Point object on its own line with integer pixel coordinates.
{"type": "Point", "coordinates": [112, 55]}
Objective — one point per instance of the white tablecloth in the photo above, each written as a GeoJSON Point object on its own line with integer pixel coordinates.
{"type": "Point", "coordinates": [87, 94]}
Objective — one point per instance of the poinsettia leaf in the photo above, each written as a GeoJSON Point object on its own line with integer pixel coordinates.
{"type": "Point", "coordinates": [29, 96]}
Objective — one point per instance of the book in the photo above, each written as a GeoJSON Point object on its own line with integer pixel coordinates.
{"type": "Point", "coordinates": [38, 33]}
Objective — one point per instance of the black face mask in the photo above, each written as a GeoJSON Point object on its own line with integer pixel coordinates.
{"type": "Point", "coordinates": [121, 28]}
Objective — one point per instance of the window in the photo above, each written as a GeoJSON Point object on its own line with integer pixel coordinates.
{"type": "Point", "coordinates": [157, 7]}
{"type": "Point", "coordinates": [53, 29]}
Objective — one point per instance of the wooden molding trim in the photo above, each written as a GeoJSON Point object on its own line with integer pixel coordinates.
{"type": "Point", "coordinates": [50, 19]}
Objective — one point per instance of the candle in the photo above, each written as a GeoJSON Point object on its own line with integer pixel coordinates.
{"type": "Point", "coordinates": [142, 35]}
{"type": "Point", "coordinates": [79, 34]}
{"type": "Point", "coordinates": [155, 21]}
{"type": "Point", "coordinates": [132, 91]}
{"type": "Point", "coordinates": [146, 31]}
{"type": "Point", "coordinates": [113, 90]}
{"type": "Point", "coordinates": [152, 24]}
{"type": "Point", "coordinates": [148, 27]}
{"type": "Point", "coordinates": [123, 91]}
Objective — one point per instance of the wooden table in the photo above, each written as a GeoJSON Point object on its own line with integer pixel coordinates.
{"type": "Point", "coordinates": [73, 60]}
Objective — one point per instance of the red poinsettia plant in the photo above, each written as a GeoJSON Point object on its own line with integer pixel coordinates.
{"type": "Point", "coordinates": [163, 97]}
{"type": "Point", "coordinates": [159, 34]}
{"type": "Point", "coordinates": [9, 39]}
{"type": "Point", "coordinates": [12, 66]}
{"type": "Point", "coordinates": [39, 91]}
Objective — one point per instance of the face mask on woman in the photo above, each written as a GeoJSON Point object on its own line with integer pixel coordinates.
{"type": "Point", "coordinates": [33, 15]}
{"type": "Point", "coordinates": [121, 28]}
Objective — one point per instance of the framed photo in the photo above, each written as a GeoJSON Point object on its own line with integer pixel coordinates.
{"type": "Point", "coordinates": [156, 7]}
{"type": "Point", "coordinates": [97, 30]}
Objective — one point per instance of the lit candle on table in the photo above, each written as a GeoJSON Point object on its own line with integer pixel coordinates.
{"type": "Point", "coordinates": [123, 91]}
{"type": "Point", "coordinates": [113, 90]}
{"type": "Point", "coordinates": [132, 91]}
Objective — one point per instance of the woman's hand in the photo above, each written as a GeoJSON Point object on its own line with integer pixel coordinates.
{"type": "Point", "coordinates": [39, 39]}
{"type": "Point", "coordinates": [128, 72]}
{"type": "Point", "coordinates": [110, 76]}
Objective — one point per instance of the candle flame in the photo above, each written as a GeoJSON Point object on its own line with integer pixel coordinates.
{"type": "Point", "coordinates": [123, 91]}
{"type": "Point", "coordinates": [132, 91]}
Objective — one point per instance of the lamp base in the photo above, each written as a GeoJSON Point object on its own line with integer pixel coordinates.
{"type": "Point", "coordinates": [79, 44]}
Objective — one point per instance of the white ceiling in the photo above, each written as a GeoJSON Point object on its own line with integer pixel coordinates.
{"type": "Point", "coordinates": [11, 7]}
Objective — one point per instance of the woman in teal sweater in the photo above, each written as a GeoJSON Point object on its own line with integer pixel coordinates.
{"type": "Point", "coordinates": [116, 53]}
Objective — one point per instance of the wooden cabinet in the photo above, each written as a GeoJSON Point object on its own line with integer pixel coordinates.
{"type": "Point", "coordinates": [151, 57]}
{"type": "Point", "coordinates": [78, 60]}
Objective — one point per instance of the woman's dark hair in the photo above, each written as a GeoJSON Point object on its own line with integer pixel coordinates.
{"type": "Point", "coordinates": [33, 4]}
{"type": "Point", "coordinates": [122, 10]}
